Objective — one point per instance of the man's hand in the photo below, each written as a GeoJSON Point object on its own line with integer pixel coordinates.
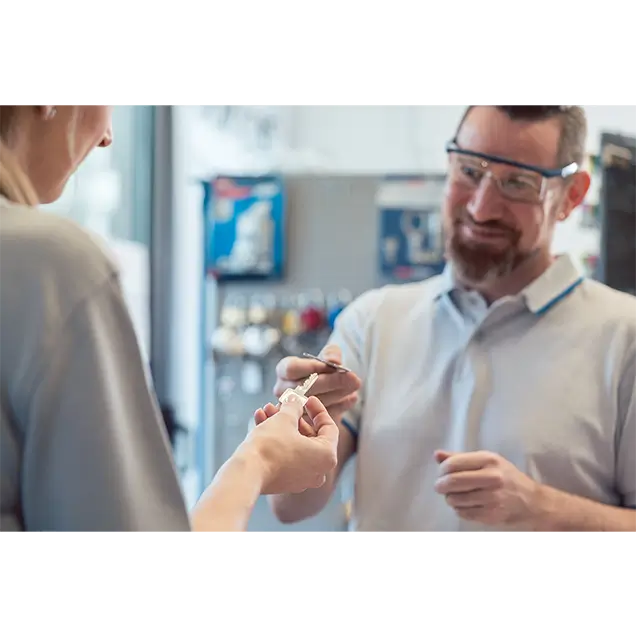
{"type": "Point", "coordinates": [486, 488]}
{"type": "Point", "coordinates": [337, 391]}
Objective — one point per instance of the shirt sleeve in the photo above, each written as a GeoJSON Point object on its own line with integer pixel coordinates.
{"type": "Point", "coordinates": [96, 454]}
{"type": "Point", "coordinates": [351, 334]}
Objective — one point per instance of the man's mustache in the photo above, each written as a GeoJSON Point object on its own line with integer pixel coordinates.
{"type": "Point", "coordinates": [466, 219]}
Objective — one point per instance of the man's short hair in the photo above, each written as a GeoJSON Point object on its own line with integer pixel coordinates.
{"type": "Point", "coordinates": [573, 127]}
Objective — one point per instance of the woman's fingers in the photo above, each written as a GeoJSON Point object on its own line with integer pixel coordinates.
{"type": "Point", "coordinates": [269, 410]}
{"type": "Point", "coordinates": [323, 423]}
{"type": "Point", "coordinates": [260, 416]}
{"type": "Point", "coordinates": [306, 428]}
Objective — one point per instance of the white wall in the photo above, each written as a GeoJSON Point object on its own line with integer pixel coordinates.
{"type": "Point", "coordinates": [613, 119]}
{"type": "Point", "coordinates": [382, 139]}
{"type": "Point", "coordinates": [346, 139]}
{"type": "Point", "coordinates": [359, 139]}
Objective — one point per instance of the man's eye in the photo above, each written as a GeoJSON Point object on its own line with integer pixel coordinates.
{"type": "Point", "coordinates": [472, 173]}
{"type": "Point", "coordinates": [518, 184]}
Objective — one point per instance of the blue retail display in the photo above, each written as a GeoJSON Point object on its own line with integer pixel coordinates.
{"type": "Point", "coordinates": [411, 241]}
{"type": "Point", "coordinates": [245, 228]}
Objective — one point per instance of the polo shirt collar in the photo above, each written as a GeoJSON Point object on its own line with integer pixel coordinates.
{"type": "Point", "coordinates": [557, 282]}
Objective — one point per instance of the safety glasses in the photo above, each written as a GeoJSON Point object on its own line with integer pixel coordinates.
{"type": "Point", "coordinates": [516, 181]}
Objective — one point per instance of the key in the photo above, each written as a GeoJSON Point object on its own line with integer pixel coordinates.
{"type": "Point", "coordinates": [307, 384]}
{"type": "Point", "coordinates": [333, 365]}
{"type": "Point", "coordinates": [300, 391]}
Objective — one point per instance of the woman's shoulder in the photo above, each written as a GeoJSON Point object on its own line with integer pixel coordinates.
{"type": "Point", "coordinates": [39, 244]}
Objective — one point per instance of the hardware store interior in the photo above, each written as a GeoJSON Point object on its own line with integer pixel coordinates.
{"type": "Point", "coordinates": [242, 233]}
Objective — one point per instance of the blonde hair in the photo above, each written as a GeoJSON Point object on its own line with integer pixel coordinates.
{"type": "Point", "coordinates": [14, 182]}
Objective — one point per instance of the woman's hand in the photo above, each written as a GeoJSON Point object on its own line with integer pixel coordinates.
{"type": "Point", "coordinates": [269, 410]}
{"type": "Point", "coordinates": [275, 458]}
{"type": "Point", "coordinates": [291, 461]}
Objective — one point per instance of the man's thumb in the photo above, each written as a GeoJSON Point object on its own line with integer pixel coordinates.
{"type": "Point", "coordinates": [442, 456]}
{"type": "Point", "coordinates": [332, 353]}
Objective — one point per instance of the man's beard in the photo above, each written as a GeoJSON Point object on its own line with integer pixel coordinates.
{"type": "Point", "coordinates": [479, 263]}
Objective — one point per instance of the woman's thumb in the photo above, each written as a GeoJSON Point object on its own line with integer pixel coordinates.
{"type": "Point", "coordinates": [293, 408]}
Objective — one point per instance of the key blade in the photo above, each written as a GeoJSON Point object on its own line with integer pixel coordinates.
{"type": "Point", "coordinates": [307, 384]}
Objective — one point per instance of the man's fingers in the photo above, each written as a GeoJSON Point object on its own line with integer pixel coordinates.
{"type": "Point", "coordinates": [454, 483]}
{"type": "Point", "coordinates": [332, 353]}
{"type": "Point", "coordinates": [332, 392]}
{"type": "Point", "coordinates": [441, 456]}
{"type": "Point", "coordinates": [293, 369]}
{"type": "Point", "coordinates": [477, 498]}
{"type": "Point", "coordinates": [337, 404]}
{"type": "Point", "coordinates": [336, 383]}
{"type": "Point", "coordinates": [460, 462]}
{"type": "Point", "coordinates": [324, 425]}
{"type": "Point", "coordinates": [330, 387]}
{"type": "Point", "coordinates": [340, 408]}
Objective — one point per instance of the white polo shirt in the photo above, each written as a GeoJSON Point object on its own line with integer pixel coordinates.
{"type": "Point", "coordinates": [546, 378]}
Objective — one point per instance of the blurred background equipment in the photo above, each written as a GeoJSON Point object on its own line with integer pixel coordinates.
{"type": "Point", "coordinates": [341, 199]}
{"type": "Point", "coordinates": [617, 266]}
{"type": "Point", "coordinates": [411, 238]}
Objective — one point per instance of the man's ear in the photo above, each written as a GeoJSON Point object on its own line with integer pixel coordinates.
{"type": "Point", "coordinates": [578, 189]}
{"type": "Point", "coordinates": [576, 192]}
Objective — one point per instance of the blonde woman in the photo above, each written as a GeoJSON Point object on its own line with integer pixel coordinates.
{"type": "Point", "coordinates": [82, 442]}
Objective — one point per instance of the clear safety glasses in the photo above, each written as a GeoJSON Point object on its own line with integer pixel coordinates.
{"type": "Point", "coordinates": [515, 181]}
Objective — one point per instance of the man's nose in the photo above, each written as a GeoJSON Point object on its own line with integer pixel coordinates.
{"type": "Point", "coordinates": [486, 204]}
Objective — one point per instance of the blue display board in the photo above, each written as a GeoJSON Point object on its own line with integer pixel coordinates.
{"type": "Point", "coordinates": [245, 228]}
{"type": "Point", "coordinates": [411, 243]}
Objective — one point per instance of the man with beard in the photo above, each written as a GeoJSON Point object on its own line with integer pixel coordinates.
{"type": "Point", "coordinates": [500, 395]}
